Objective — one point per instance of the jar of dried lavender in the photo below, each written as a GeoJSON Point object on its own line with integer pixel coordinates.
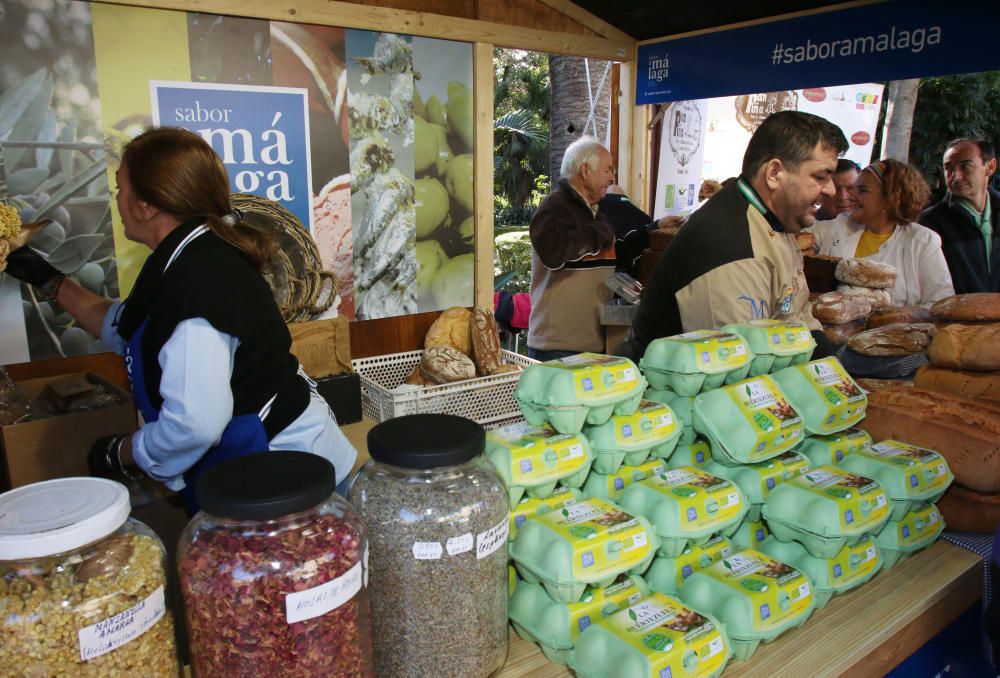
{"type": "Point", "coordinates": [437, 517]}
{"type": "Point", "coordinates": [274, 572]}
{"type": "Point", "coordinates": [82, 585]}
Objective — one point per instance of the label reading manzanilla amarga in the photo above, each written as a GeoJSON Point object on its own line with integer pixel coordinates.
{"type": "Point", "coordinates": [665, 631]}
{"type": "Point", "coordinates": [598, 603]}
{"type": "Point", "coordinates": [778, 592]}
{"type": "Point", "coordinates": [597, 376]}
{"type": "Point", "coordinates": [855, 562]}
{"type": "Point", "coordinates": [778, 427]}
{"type": "Point", "coordinates": [845, 402]}
{"type": "Point", "coordinates": [925, 470]}
{"type": "Point", "coordinates": [703, 500]}
{"type": "Point", "coordinates": [860, 501]}
{"type": "Point", "coordinates": [715, 351]}
{"type": "Point", "coordinates": [539, 454]}
{"type": "Point", "coordinates": [605, 539]}
{"type": "Point", "coordinates": [651, 424]}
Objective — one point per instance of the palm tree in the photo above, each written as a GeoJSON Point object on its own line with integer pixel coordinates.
{"type": "Point", "coordinates": [519, 154]}
{"type": "Point", "coordinates": [571, 109]}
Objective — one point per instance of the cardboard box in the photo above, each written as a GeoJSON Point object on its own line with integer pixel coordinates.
{"type": "Point", "coordinates": [323, 347]}
{"type": "Point", "coordinates": [56, 447]}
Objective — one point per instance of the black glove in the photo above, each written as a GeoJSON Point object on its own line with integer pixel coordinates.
{"type": "Point", "coordinates": [103, 460]}
{"type": "Point", "coordinates": [29, 266]}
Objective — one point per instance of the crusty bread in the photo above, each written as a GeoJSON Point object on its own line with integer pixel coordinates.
{"type": "Point", "coordinates": [485, 341]}
{"type": "Point", "coordinates": [414, 378]}
{"type": "Point", "coordinates": [879, 384]}
{"type": "Point", "coordinates": [967, 347]}
{"type": "Point", "coordinates": [444, 364]}
{"type": "Point", "coordinates": [452, 328]}
{"type": "Point", "coordinates": [880, 299]}
{"type": "Point", "coordinates": [866, 273]}
{"type": "Point", "coordinates": [968, 307]}
{"type": "Point", "coordinates": [899, 314]}
{"type": "Point", "coordinates": [839, 334]}
{"type": "Point", "coordinates": [837, 308]}
{"type": "Point", "coordinates": [985, 385]}
{"type": "Point", "coordinates": [966, 510]}
{"type": "Point", "coordinates": [505, 368]}
{"type": "Point", "coordinates": [893, 340]}
{"type": "Point", "coordinates": [965, 431]}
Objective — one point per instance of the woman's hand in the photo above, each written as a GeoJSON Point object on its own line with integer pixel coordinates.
{"type": "Point", "coordinates": [29, 266]}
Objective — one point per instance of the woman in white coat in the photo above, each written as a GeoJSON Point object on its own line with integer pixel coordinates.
{"type": "Point", "coordinates": [888, 196]}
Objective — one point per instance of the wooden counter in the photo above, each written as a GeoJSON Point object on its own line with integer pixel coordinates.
{"type": "Point", "coordinates": [866, 632]}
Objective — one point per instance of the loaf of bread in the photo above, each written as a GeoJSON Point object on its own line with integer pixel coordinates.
{"type": "Point", "coordinates": [866, 273]}
{"type": "Point", "coordinates": [806, 243]}
{"type": "Point", "coordinates": [879, 384]}
{"type": "Point", "coordinates": [893, 340]}
{"type": "Point", "coordinates": [968, 307]}
{"type": "Point", "coordinates": [839, 334]}
{"type": "Point", "coordinates": [506, 368]}
{"type": "Point", "coordinates": [880, 299]}
{"type": "Point", "coordinates": [899, 314]}
{"type": "Point", "coordinates": [415, 378]}
{"type": "Point", "coordinates": [965, 431]}
{"type": "Point", "coordinates": [444, 364]}
{"type": "Point", "coordinates": [837, 308]}
{"type": "Point", "coordinates": [452, 328]}
{"type": "Point", "coordinates": [485, 341]}
{"type": "Point", "coordinates": [966, 510]}
{"type": "Point", "coordinates": [967, 347]}
{"type": "Point", "coordinates": [984, 385]}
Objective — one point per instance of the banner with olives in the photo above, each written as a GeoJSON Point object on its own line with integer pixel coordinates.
{"type": "Point", "coordinates": [383, 148]}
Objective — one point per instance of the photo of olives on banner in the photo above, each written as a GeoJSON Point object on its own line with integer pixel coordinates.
{"type": "Point", "coordinates": [443, 174]}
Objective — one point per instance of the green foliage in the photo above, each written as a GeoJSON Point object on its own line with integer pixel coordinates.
{"type": "Point", "coordinates": [950, 107]}
{"type": "Point", "coordinates": [513, 255]}
{"type": "Point", "coordinates": [521, 128]}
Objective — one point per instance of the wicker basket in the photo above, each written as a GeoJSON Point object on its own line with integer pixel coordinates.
{"type": "Point", "coordinates": [487, 400]}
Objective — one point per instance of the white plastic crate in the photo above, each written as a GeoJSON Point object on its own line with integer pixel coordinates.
{"type": "Point", "coordinates": [487, 400]}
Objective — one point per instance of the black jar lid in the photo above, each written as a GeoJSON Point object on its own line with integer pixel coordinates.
{"type": "Point", "coordinates": [423, 441]}
{"type": "Point", "coordinates": [266, 485]}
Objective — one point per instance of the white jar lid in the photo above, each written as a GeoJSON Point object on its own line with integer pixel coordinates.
{"type": "Point", "coordinates": [59, 515]}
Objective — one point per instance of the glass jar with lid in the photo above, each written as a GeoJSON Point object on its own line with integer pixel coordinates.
{"type": "Point", "coordinates": [274, 572]}
{"type": "Point", "coordinates": [82, 585]}
{"type": "Point", "coordinates": [437, 518]}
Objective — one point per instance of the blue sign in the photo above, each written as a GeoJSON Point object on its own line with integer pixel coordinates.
{"type": "Point", "coordinates": [261, 134]}
{"type": "Point", "coordinates": [885, 41]}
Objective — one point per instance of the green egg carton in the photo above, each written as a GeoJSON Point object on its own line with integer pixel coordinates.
{"type": "Point", "coordinates": [612, 485]}
{"type": "Point", "coordinates": [825, 508]}
{"type": "Point", "coordinates": [658, 637]}
{"type": "Point", "coordinates": [911, 475]}
{"type": "Point", "coordinates": [586, 388]}
{"type": "Point", "coordinates": [529, 507]}
{"type": "Point", "coordinates": [826, 396]}
{"type": "Point", "coordinates": [666, 575]}
{"type": "Point", "coordinates": [532, 459]}
{"type": "Point", "coordinates": [587, 543]}
{"type": "Point", "coordinates": [686, 506]}
{"type": "Point", "coordinates": [682, 407]}
{"type": "Point", "coordinates": [696, 361]}
{"type": "Point", "coordinates": [652, 430]}
{"type": "Point", "coordinates": [853, 565]}
{"type": "Point", "coordinates": [555, 627]}
{"type": "Point", "coordinates": [757, 480]}
{"type": "Point", "coordinates": [755, 596]}
{"type": "Point", "coordinates": [831, 449]}
{"type": "Point", "coordinates": [775, 344]}
{"type": "Point", "coordinates": [918, 529]}
{"type": "Point", "coordinates": [695, 454]}
{"type": "Point", "coordinates": [512, 581]}
{"type": "Point", "coordinates": [748, 422]}
{"type": "Point", "coordinates": [749, 534]}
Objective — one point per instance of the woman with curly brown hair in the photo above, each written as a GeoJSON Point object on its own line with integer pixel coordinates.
{"type": "Point", "coordinates": [888, 196]}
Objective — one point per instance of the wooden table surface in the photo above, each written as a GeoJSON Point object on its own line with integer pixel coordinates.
{"type": "Point", "coordinates": [863, 633]}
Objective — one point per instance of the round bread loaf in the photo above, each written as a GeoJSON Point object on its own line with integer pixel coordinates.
{"type": "Point", "coordinates": [444, 364]}
{"type": "Point", "coordinates": [880, 298]}
{"type": "Point", "coordinates": [893, 340]}
{"type": "Point", "coordinates": [967, 347]}
{"type": "Point", "coordinates": [968, 307]}
{"type": "Point", "coordinates": [865, 273]}
{"type": "Point", "coordinates": [839, 334]}
{"type": "Point", "coordinates": [837, 308]}
{"type": "Point", "coordinates": [899, 314]}
{"type": "Point", "coordinates": [452, 328]}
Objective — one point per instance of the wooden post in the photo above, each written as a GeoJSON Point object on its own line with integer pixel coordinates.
{"type": "Point", "coordinates": [482, 78]}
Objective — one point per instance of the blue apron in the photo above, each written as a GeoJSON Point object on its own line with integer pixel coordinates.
{"type": "Point", "coordinates": [243, 435]}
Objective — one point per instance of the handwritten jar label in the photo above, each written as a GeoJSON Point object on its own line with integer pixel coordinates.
{"type": "Point", "coordinates": [319, 600]}
{"type": "Point", "coordinates": [113, 632]}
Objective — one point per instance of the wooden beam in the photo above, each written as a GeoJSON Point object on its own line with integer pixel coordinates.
{"type": "Point", "coordinates": [482, 76]}
{"type": "Point", "coordinates": [585, 18]}
{"type": "Point", "coordinates": [350, 15]}
{"type": "Point", "coordinates": [633, 140]}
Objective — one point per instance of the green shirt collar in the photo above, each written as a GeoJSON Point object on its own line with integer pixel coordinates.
{"type": "Point", "coordinates": [751, 195]}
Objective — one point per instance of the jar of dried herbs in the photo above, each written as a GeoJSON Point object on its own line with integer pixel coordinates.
{"type": "Point", "coordinates": [274, 572]}
{"type": "Point", "coordinates": [82, 585]}
{"type": "Point", "coordinates": [437, 518]}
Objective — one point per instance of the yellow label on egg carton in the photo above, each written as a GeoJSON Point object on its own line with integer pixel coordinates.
{"type": "Point", "coordinates": [917, 525]}
{"type": "Point", "coordinates": [859, 500]}
{"type": "Point", "coordinates": [853, 562]}
{"type": "Point", "coordinates": [694, 489]}
{"type": "Point", "coordinates": [670, 635]}
{"type": "Point", "coordinates": [926, 470]}
{"type": "Point", "coordinates": [606, 540]}
{"type": "Point", "coordinates": [695, 558]}
{"type": "Point", "coordinates": [777, 591]}
{"type": "Point", "coordinates": [844, 399]}
{"type": "Point", "coordinates": [784, 467]}
{"type": "Point", "coordinates": [529, 507]}
{"type": "Point", "coordinates": [652, 423]}
{"type": "Point", "coordinates": [598, 603]}
{"type": "Point", "coordinates": [598, 376]}
{"type": "Point", "coordinates": [539, 454]}
{"type": "Point", "coordinates": [626, 475]}
{"type": "Point", "coordinates": [785, 338]}
{"type": "Point", "coordinates": [761, 403]}
{"type": "Point", "coordinates": [716, 351]}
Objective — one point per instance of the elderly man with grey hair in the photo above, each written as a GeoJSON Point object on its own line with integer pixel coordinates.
{"type": "Point", "coordinates": [573, 252]}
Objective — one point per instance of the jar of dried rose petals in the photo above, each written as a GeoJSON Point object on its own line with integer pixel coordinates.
{"type": "Point", "coordinates": [274, 572]}
{"type": "Point", "coordinates": [437, 516]}
{"type": "Point", "coordinates": [82, 585]}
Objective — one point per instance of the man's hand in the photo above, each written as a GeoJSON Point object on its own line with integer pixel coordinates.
{"type": "Point", "coordinates": [671, 223]}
